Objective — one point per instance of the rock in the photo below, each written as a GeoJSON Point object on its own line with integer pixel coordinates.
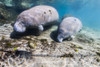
{"type": "Point", "coordinates": [23, 4]}
{"type": "Point", "coordinates": [6, 14]}
{"type": "Point", "coordinates": [8, 3]}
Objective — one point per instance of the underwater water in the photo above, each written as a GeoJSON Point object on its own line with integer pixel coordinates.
{"type": "Point", "coordinates": [88, 11]}
{"type": "Point", "coordinates": [31, 49]}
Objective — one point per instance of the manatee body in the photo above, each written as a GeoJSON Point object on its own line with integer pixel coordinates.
{"type": "Point", "coordinates": [68, 27]}
{"type": "Point", "coordinates": [37, 16]}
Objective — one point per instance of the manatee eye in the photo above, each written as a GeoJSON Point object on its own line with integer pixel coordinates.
{"type": "Point", "coordinates": [50, 11]}
{"type": "Point", "coordinates": [74, 19]}
{"type": "Point", "coordinates": [44, 12]}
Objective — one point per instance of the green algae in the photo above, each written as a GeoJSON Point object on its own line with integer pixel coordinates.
{"type": "Point", "coordinates": [44, 41]}
{"type": "Point", "coordinates": [32, 45]}
{"type": "Point", "coordinates": [76, 50]}
{"type": "Point", "coordinates": [2, 38]}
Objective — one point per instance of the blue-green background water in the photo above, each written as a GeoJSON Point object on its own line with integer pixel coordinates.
{"type": "Point", "coordinates": [88, 11]}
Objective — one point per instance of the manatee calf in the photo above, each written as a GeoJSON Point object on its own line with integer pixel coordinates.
{"type": "Point", "coordinates": [68, 27]}
{"type": "Point", "coordinates": [36, 17]}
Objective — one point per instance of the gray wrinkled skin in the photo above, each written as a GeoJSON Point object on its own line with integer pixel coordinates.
{"type": "Point", "coordinates": [68, 27]}
{"type": "Point", "coordinates": [36, 17]}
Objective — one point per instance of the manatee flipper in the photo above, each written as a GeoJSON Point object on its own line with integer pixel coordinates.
{"type": "Point", "coordinates": [40, 28]}
{"type": "Point", "coordinates": [19, 27]}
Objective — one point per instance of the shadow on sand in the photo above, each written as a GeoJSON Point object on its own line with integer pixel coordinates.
{"type": "Point", "coordinates": [29, 31]}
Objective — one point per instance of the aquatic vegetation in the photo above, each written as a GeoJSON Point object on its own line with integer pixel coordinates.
{"type": "Point", "coordinates": [40, 2]}
{"type": "Point", "coordinates": [3, 37]}
{"type": "Point", "coordinates": [98, 43]}
{"type": "Point", "coordinates": [15, 49]}
{"type": "Point", "coordinates": [84, 38]}
{"type": "Point", "coordinates": [68, 55]}
{"type": "Point", "coordinates": [8, 3]}
{"type": "Point", "coordinates": [44, 41]}
{"type": "Point", "coordinates": [4, 14]}
{"type": "Point", "coordinates": [98, 59]}
{"type": "Point", "coordinates": [98, 53]}
{"type": "Point", "coordinates": [45, 50]}
{"type": "Point", "coordinates": [23, 4]}
{"type": "Point", "coordinates": [32, 45]}
{"type": "Point", "coordinates": [76, 50]}
{"type": "Point", "coordinates": [8, 44]}
{"type": "Point", "coordinates": [73, 45]}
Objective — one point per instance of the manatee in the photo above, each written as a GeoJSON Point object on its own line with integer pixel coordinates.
{"type": "Point", "coordinates": [68, 27]}
{"type": "Point", "coordinates": [36, 17]}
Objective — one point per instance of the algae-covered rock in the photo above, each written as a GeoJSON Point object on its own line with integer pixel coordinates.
{"type": "Point", "coordinates": [32, 45]}
{"type": "Point", "coordinates": [6, 14]}
{"type": "Point", "coordinates": [23, 4]}
{"type": "Point", "coordinates": [8, 3]}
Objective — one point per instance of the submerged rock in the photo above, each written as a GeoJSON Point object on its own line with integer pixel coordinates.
{"type": "Point", "coordinates": [20, 4]}
{"type": "Point", "coordinates": [6, 14]}
{"type": "Point", "coordinates": [23, 4]}
{"type": "Point", "coordinates": [8, 3]}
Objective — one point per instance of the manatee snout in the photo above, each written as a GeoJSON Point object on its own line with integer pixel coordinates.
{"type": "Point", "coordinates": [60, 38]}
{"type": "Point", "coordinates": [62, 35]}
{"type": "Point", "coordinates": [19, 27]}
